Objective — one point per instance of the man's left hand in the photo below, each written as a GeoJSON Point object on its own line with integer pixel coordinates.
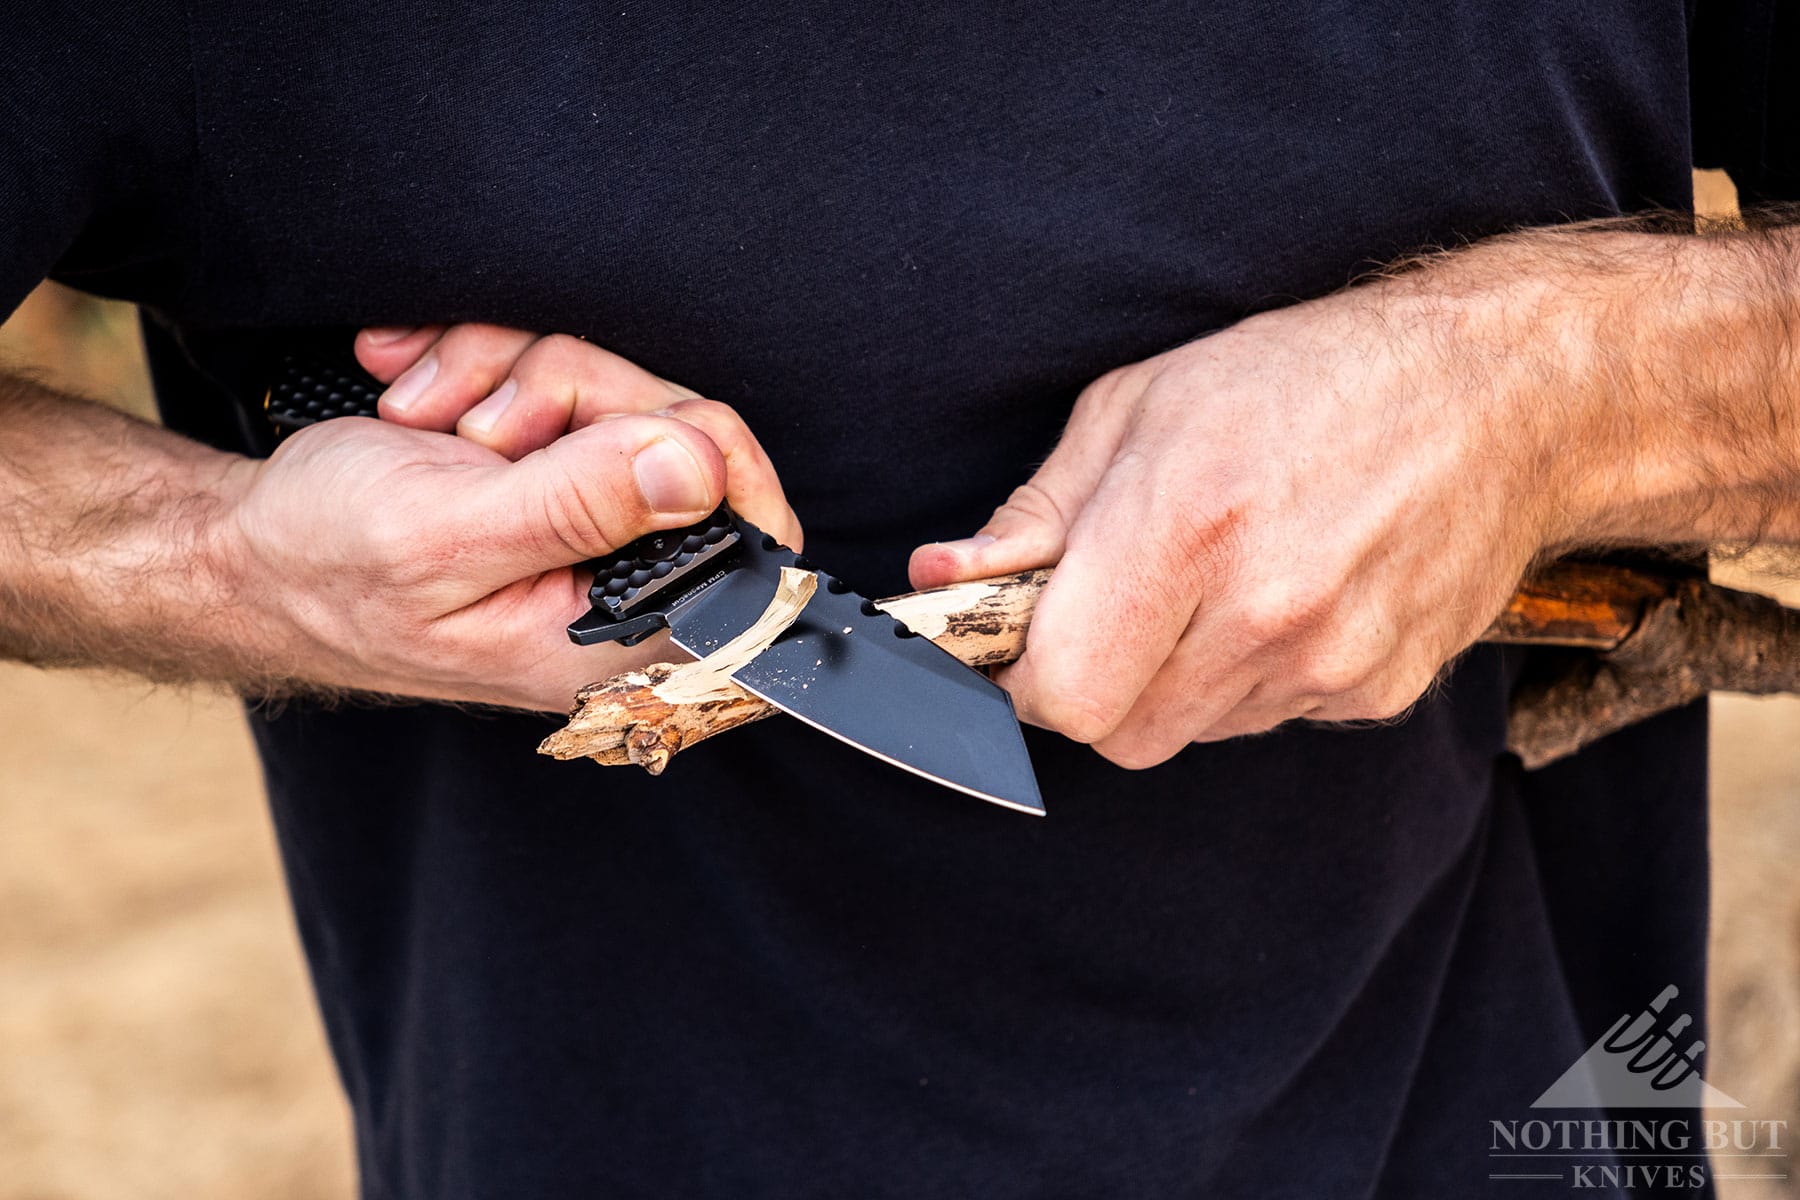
{"type": "Point", "coordinates": [1304, 515]}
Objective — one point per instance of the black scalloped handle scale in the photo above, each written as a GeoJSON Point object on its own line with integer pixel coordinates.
{"type": "Point", "coordinates": [634, 592]}
{"type": "Point", "coordinates": [307, 391]}
{"type": "Point", "coordinates": [657, 563]}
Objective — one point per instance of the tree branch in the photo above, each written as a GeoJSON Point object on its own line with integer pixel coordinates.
{"type": "Point", "coordinates": [1659, 641]}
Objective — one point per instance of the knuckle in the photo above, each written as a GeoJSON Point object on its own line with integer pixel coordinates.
{"type": "Point", "coordinates": [700, 406]}
{"type": "Point", "coordinates": [1237, 727]}
{"type": "Point", "coordinates": [1108, 389]}
{"type": "Point", "coordinates": [1282, 610]}
{"type": "Point", "coordinates": [476, 358]}
{"type": "Point", "coordinates": [1136, 754]}
{"type": "Point", "coordinates": [550, 359]}
{"type": "Point", "coordinates": [1387, 698]}
{"type": "Point", "coordinates": [474, 341]}
{"type": "Point", "coordinates": [1266, 617]}
{"type": "Point", "coordinates": [1332, 675]}
{"type": "Point", "coordinates": [564, 343]}
{"type": "Point", "coordinates": [1076, 715]}
{"type": "Point", "coordinates": [560, 347]}
{"type": "Point", "coordinates": [1034, 503]}
{"type": "Point", "coordinates": [720, 422]}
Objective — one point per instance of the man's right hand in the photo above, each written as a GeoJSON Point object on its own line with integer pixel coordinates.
{"type": "Point", "coordinates": [364, 554]}
{"type": "Point", "coordinates": [516, 393]}
{"type": "Point", "coordinates": [404, 561]}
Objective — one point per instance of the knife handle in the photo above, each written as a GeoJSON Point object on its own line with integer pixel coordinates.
{"type": "Point", "coordinates": [306, 391]}
{"type": "Point", "coordinates": [634, 589]}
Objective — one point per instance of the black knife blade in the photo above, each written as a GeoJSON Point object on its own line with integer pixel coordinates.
{"type": "Point", "coordinates": [848, 669]}
{"type": "Point", "coordinates": [844, 667]}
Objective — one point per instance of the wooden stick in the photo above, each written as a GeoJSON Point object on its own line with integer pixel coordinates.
{"type": "Point", "coordinates": [1695, 639]}
{"type": "Point", "coordinates": [1659, 641]}
{"type": "Point", "coordinates": [645, 717]}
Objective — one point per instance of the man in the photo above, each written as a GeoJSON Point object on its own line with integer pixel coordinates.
{"type": "Point", "coordinates": [900, 251]}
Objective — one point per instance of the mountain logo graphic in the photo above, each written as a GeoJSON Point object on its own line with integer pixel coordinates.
{"type": "Point", "coordinates": [1639, 1063]}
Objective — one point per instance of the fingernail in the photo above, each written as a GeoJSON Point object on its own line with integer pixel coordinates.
{"type": "Point", "coordinates": [405, 390]}
{"type": "Point", "coordinates": [484, 416]}
{"type": "Point", "coordinates": [969, 545]}
{"type": "Point", "coordinates": [387, 335]}
{"type": "Point", "coordinates": [669, 477]}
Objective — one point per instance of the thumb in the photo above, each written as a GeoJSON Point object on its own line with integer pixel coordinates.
{"type": "Point", "coordinates": [1030, 529]}
{"type": "Point", "coordinates": [1027, 531]}
{"type": "Point", "coordinates": [585, 495]}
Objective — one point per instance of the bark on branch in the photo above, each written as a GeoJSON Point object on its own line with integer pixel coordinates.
{"type": "Point", "coordinates": [1694, 639]}
{"type": "Point", "coordinates": [1658, 641]}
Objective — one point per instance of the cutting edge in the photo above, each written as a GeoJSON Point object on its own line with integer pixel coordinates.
{"type": "Point", "coordinates": [1036, 810]}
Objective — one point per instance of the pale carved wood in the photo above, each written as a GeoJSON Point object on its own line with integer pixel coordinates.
{"type": "Point", "coordinates": [1656, 641]}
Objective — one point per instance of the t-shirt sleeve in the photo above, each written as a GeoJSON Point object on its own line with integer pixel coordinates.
{"type": "Point", "coordinates": [1744, 73]}
{"type": "Point", "coordinates": [96, 128]}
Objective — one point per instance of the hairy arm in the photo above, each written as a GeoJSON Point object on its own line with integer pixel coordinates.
{"type": "Point", "coordinates": [360, 556]}
{"type": "Point", "coordinates": [1309, 513]}
{"type": "Point", "coordinates": [1684, 425]}
{"type": "Point", "coordinates": [110, 547]}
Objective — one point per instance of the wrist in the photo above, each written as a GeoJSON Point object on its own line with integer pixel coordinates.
{"type": "Point", "coordinates": [1519, 336]}
{"type": "Point", "coordinates": [275, 586]}
{"type": "Point", "coordinates": [1679, 417]}
{"type": "Point", "coordinates": [239, 587]}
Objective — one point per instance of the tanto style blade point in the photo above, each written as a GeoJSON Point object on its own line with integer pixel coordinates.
{"type": "Point", "coordinates": [850, 670]}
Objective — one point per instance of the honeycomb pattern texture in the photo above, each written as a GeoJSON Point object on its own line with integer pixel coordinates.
{"type": "Point", "coordinates": [647, 565]}
{"type": "Point", "coordinates": [308, 392]}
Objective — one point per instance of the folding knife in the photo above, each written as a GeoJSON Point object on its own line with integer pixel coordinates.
{"type": "Point", "coordinates": [844, 666]}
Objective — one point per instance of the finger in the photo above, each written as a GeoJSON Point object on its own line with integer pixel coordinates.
{"type": "Point", "coordinates": [556, 384]}
{"type": "Point", "coordinates": [452, 376]}
{"type": "Point", "coordinates": [1255, 714]}
{"type": "Point", "coordinates": [1248, 722]}
{"type": "Point", "coordinates": [386, 351]}
{"type": "Point", "coordinates": [1114, 611]}
{"type": "Point", "coordinates": [495, 650]}
{"type": "Point", "coordinates": [1170, 711]}
{"type": "Point", "coordinates": [1215, 684]}
{"type": "Point", "coordinates": [1295, 669]}
{"type": "Point", "coordinates": [562, 383]}
{"type": "Point", "coordinates": [1389, 695]}
{"type": "Point", "coordinates": [583, 497]}
{"type": "Point", "coordinates": [1031, 528]}
{"type": "Point", "coordinates": [1152, 734]}
{"type": "Point", "coordinates": [751, 484]}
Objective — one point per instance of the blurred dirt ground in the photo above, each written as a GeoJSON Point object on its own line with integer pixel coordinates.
{"type": "Point", "coordinates": [157, 1039]}
{"type": "Point", "coordinates": [157, 1036]}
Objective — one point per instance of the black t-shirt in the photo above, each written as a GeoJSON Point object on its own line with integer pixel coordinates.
{"type": "Point", "coordinates": [899, 239]}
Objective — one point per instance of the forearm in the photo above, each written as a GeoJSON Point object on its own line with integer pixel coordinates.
{"type": "Point", "coordinates": [1714, 384]}
{"type": "Point", "coordinates": [1669, 404]}
{"type": "Point", "coordinates": [108, 546]}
